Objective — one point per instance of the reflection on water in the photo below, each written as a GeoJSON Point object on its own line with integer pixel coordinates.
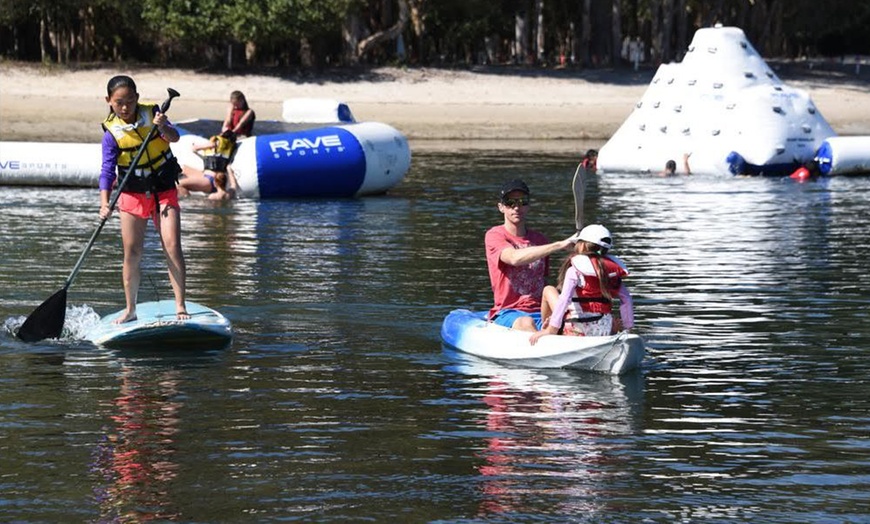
{"type": "Point", "coordinates": [133, 460]}
{"type": "Point", "coordinates": [549, 435]}
{"type": "Point", "coordinates": [337, 402]}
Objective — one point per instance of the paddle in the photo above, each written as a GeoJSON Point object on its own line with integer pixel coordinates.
{"type": "Point", "coordinates": [46, 321]}
{"type": "Point", "coordinates": [579, 188]}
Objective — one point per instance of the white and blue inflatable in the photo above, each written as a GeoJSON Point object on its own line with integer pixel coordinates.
{"type": "Point", "coordinates": [345, 160]}
{"type": "Point", "coordinates": [725, 107]}
{"type": "Point", "coordinates": [50, 164]}
{"type": "Point", "coordinates": [844, 155]}
{"type": "Point", "coordinates": [318, 152]}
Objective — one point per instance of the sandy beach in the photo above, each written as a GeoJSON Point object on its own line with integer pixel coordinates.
{"type": "Point", "coordinates": [565, 109]}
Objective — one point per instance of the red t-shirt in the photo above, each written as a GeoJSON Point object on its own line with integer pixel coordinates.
{"type": "Point", "coordinates": [515, 287]}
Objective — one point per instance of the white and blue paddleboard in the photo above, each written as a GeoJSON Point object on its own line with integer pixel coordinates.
{"type": "Point", "coordinates": [156, 327]}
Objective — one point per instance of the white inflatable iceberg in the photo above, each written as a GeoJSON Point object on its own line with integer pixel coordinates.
{"type": "Point", "coordinates": [725, 107]}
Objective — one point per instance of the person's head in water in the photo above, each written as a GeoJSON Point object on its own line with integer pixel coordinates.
{"type": "Point", "coordinates": [670, 167]}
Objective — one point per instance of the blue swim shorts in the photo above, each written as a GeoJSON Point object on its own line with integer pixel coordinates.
{"type": "Point", "coordinates": [506, 317]}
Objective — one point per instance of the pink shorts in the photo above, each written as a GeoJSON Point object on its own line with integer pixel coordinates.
{"type": "Point", "coordinates": [142, 204]}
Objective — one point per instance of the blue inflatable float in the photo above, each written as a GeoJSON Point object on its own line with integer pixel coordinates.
{"type": "Point", "coordinates": [319, 151]}
{"type": "Point", "coordinates": [286, 160]}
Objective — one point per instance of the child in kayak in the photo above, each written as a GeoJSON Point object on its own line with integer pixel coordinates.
{"type": "Point", "coordinates": [590, 280]}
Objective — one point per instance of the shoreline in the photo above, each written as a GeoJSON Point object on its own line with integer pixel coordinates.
{"type": "Point", "coordinates": [433, 108]}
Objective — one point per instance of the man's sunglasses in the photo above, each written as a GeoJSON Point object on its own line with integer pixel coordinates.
{"type": "Point", "coordinates": [515, 202]}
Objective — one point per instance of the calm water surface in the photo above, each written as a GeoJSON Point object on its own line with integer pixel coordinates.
{"type": "Point", "coordinates": [337, 401]}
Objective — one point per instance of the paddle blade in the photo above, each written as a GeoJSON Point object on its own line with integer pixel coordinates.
{"type": "Point", "coordinates": [46, 321]}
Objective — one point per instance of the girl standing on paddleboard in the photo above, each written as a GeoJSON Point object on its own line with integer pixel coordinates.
{"type": "Point", "coordinates": [149, 191]}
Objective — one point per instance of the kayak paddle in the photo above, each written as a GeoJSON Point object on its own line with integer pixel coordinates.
{"type": "Point", "coordinates": [579, 188]}
{"type": "Point", "coordinates": [46, 321]}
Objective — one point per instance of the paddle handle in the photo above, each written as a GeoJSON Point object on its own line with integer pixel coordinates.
{"type": "Point", "coordinates": [578, 187]}
{"type": "Point", "coordinates": [164, 107]}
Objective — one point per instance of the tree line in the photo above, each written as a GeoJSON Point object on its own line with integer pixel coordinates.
{"type": "Point", "coordinates": [325, 33]}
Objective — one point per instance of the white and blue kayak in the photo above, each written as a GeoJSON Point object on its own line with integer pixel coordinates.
{"type": "Point", "coordinates": [469, 332]}
{"type": "Point", "coordinates": [156, 327]}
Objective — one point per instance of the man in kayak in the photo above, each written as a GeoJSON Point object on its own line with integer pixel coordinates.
{"type": "Point", "coordinates": [518, 261]}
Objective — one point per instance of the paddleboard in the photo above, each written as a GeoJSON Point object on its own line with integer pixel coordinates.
{"type": "Point", "coordinates": [156, 327]}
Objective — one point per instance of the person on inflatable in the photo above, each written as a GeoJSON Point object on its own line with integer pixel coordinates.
{"type": "Point", "coordinates": [590, 279]}
{"type": "Point", "coordinates": [217, 179]}
{"type": "Point", "coordinates": [240, 118]}
{"type": "Point", "coordinates": [808, 171]}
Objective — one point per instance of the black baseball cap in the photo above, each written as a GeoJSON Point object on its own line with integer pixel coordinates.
{"type": "Point", "coordinates": [511, 186]}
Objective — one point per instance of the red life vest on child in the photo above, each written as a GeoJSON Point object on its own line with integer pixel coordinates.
{"type": "Point", "coordinates": [589, 296]}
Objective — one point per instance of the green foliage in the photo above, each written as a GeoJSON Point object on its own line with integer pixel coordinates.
{"type": "Point", "coordinates": [182, 20]}
{"type": "Point", "coordinates": [203, 30]}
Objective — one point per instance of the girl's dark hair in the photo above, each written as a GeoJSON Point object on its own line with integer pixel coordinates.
{"type": "Point", "coordinates": [119, 81]}
{"type": "Point", "coordinates": [594, 252]}
{"type": "Point", "coordinates": [238, 95]}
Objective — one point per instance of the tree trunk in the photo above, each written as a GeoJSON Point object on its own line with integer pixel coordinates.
{"type": "Point", "coordinates": [391, 33]}
{"type": "Point", "coordinates": [573, 47]}
{"type": "Point", "coordinates": [306, 56]}
{"type": "Point", "coordinates": [43, 39]}
{"type": "Point", "coordinates": [539, 31]}
{"type": "Point", "coordinates": [682, 21]}
{"type": "Point", "coordinates": [418, 25]}
{"type": "Point", "coordinates": [716, 13]}
{"type": "Point", "coordinates": [616, 32]}
{"type": "Point", "coordinates": [760, 28]}
{"type": "Point", "coordinates": [586, 34]}
{"type": "Point", "coordinates": [386, 13]}
{"type": "Point", "coordinates": [667, 29]}
{"type": "Point", "coordinates": [521, 45]}
{"type": "Point", "coordinates": [351, 33]}
{"type": "Point", "coordinates": [777, 38]}
{"type": "Point", "coordinates": [250, 52]}
{"type": "Point", "coordinates": [88, 34]}
{"type": "Point", "coordinates": [655, 45]}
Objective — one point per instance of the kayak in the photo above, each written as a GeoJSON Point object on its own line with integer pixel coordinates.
{"type": "Point", "coordinates": [469, 332]}
{"type": "Point", "coordinates": [156, 327]}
